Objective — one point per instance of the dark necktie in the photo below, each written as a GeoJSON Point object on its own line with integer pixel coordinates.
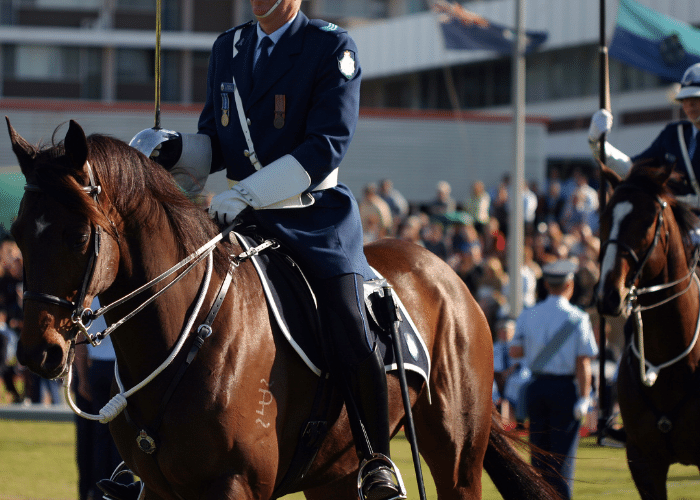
{"type": "Point", "coordinates": [693, 146]}
{"type": "Point", "coordinates": [265, 45]}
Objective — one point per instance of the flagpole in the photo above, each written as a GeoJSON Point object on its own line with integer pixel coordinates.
{"type": "Point", "coordinates": [604, 95]}
{"type": "Point", "coordinates": [516, 225]}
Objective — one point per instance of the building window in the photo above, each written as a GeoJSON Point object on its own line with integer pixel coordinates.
{"type": "Point", "coordinates": [51, 72]}
{"type": "Point", "coordinates": [136, 75]}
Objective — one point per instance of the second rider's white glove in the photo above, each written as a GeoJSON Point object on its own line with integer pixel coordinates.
{"type": "Point", "coordinates": [601, 124]}
{"type": "Point", "coordinates": [581, 408]}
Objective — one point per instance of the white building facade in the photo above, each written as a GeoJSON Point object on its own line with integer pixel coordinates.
{"type": "Point", "coordinates": [423, 106]}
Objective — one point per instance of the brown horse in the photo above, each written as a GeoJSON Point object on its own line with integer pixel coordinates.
{"type": "Point", "coordinates": [230, 428]}
{"type": "Point", "coordinates": [648, 268]}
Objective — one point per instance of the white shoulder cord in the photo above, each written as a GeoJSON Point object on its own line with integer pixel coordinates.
{"type": "Point", "coordinates": [250, 152]}
{"type": "Point", "coordinates": [689, 165]}
{"type": "Point", "coordinates": [117, 404]}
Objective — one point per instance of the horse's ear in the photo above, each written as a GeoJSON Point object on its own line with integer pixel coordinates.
{"type": "Point", "coordinates": [76, 145]}
{"type": "Point", "coordinates": [661, 175]}
{"type": "Point", "coordinates": [24, 151]}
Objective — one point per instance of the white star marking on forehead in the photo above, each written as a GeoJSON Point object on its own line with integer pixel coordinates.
{"type": "Point", "coordinates": [41, 225]}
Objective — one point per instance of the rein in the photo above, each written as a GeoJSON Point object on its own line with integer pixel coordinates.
{"type": "Point", "coordinates": [82, 316]}
{"type": "Point", "coordinates": [649, 372]}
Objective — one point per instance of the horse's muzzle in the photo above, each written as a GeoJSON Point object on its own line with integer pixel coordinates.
{"type": "Point", "coordinates": [610, 302]}
{"type": "Point", "coordinates": [46, 360]}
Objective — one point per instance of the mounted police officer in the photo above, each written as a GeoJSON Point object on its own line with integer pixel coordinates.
{"type": "Point", "coordinates": [282, 105]}
{"type": "Point", "coordinates": [678, 139]}
{"type": "Point", "coordinates": [556, 341]}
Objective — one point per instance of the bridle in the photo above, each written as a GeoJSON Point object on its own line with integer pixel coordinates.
{"type": "Point", "coordinates": [639, 263]}
{"type": "Point", "coordinates": [648, 371]}
{"type": "Point", "coordinates": [80, 315]}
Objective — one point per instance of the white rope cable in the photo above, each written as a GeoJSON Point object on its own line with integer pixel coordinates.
{"type": "Point", "coordinates": [117, 404]}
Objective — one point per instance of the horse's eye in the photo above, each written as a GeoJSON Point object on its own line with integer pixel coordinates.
{"type": "Point", "coordinates": [79, 240]}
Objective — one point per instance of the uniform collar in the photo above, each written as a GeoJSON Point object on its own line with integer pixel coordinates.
{"type": "Point", "coordinates": [276, 35]}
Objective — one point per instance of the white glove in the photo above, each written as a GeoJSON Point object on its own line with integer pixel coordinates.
{"type": "Point", "coordinates": [226, 206]}
{"type": "Point", "coordinates": [601, 124]}
{"type": "Point", "coordinates": [581, 407]}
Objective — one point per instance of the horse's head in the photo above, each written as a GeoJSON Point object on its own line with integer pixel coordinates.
{"type": "Point", "coordinates": [58, 229]}
{"type": "Point", "coordinates": [634, 231]}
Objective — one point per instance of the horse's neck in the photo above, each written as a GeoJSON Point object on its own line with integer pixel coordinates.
{"type": "Point", "coordinates": [679, 314]}
{"type": "Point", "coordinates": [144, 341]}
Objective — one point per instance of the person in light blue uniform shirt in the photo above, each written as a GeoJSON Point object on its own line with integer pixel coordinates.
{"type": "Point", "coordinates": [559, 396]}
{"type": "Point", "coordinates": [283, 95]}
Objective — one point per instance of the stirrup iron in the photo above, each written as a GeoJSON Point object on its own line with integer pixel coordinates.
{"type": "Point", "coordinates": [121, 470]}
{"type": "Point", "coordinates": [380, 463]}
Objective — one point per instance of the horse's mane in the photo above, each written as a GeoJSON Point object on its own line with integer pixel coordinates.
{"type": "Point", "coordinates": [135, 186]}
{"type": "Point", "coordinates": [641, 176]}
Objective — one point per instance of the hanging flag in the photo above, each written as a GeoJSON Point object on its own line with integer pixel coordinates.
{"type": "Point", "coordinates": [653, 42]}
{"type": "Point", "coordinates": [462, 29]}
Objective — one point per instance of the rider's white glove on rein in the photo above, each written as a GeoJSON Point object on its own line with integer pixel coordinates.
{"type": "Point", "coordinates": [278, 185]}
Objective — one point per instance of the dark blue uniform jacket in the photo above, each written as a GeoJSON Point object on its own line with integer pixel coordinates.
{"type": "Point", "coordinates": [667, 142]}
{"type": "Point", "coordinates": [321, 106]}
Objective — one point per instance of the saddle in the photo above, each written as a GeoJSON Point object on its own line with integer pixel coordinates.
{"type": "Point", "coordinates": [293, 305]}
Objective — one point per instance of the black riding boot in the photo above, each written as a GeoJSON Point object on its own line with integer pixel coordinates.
{"type": "Point", "coordinates": [368, 410]}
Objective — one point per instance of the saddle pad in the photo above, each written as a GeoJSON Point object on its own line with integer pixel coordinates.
{"type": "Point", "coordinates": [293, 305]}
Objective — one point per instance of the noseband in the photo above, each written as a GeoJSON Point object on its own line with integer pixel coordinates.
{"type": "Point", "coordinates": [81, 316]}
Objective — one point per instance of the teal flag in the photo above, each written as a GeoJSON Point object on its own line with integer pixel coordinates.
{"type": "Point", "coordinates": [11, 192]}
{"type": "Point", "coordinates": [653, 42]}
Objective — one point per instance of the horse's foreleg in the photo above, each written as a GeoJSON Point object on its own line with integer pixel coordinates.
{"type": "Point", "coordinates": [649, 475]}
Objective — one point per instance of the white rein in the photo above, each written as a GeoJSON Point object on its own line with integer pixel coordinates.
{"type": "Point", "coordinates": [649, 372]}
{"type": "Point", "coordinates": [117, 404]}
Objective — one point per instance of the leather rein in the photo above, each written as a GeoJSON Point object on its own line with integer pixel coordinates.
{"type": "Point", "coordinates": [649, 372]}
{"type": "Point", "coordinates": [82, 316]}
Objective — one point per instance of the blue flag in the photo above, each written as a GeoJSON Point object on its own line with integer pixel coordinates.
{"type": "Point", "coordinates": [465, 30]}
{"type": "Point", "coordinates": [653, 42]}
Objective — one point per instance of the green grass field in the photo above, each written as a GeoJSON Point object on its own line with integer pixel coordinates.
{"type": "Point", "coordinates": [37, 462]}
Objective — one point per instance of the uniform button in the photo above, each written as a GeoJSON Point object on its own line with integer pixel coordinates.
{"type": "Point", "coordinates": [246, 153]}
{"type": "Point", "coordinates": [248, 121]}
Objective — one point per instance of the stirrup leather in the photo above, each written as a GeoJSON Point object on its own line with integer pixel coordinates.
{"type": "Point", "coordinates": [380, 463]}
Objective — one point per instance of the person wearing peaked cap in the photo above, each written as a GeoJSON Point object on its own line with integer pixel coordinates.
{"type": "Point", "coordinates": [679, 139]}
{"type": "Point", "coordinates": [559, 272]}
{"type": "Point", "coordinates": [555, 340]}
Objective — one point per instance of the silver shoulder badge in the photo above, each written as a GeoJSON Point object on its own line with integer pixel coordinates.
{"type": "Point", "coordinates": [330, 27]}
{"type": "Point", "coordinates": [346, 63]}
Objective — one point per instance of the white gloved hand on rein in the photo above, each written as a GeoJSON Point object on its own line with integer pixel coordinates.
{"type": "Point", "coordinates": [226, 206]}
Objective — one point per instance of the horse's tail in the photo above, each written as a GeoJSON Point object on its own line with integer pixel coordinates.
{"type": "Point", "coordinates": [514, 477]}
